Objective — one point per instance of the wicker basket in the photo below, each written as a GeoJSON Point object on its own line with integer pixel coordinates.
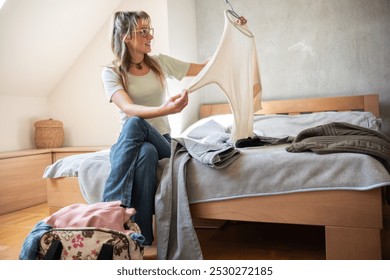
{"type": "Point", "coordinates": [48, 134]}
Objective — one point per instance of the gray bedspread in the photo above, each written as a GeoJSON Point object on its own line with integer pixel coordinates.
{"type": "Point", "coordinates": [271, 170]}
{"type": "Point", "coordinates": [265, 170]}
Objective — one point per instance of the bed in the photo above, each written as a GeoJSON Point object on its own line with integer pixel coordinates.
{"type": "Point", "coordinates": [352, 217]}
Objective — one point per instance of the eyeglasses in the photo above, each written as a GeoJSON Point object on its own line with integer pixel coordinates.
{"type": "Point", "coordinates": [145, 32]}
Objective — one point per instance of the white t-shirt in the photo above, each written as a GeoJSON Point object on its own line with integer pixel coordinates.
{"type": "Point", "coordinates": [234, 68]}
{"type": "Point", "coordinates": [146, 90]}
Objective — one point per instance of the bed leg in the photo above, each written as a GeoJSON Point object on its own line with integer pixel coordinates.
{"type": "Point", "coordinates": [352, 243]}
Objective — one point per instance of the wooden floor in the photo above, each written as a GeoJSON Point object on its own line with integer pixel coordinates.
{"type": "Point", "coordinates": [232, 241]}
{"type": "Point", "coordinates": [15, 226]}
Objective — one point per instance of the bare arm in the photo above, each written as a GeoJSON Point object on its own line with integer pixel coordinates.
{"type": "Point", "coordinates": [195, 69]}
{"type": "Point", "coordinates": [173, 105]}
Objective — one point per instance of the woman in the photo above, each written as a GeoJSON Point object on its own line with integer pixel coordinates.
{"type": "Point", "coordinates": [135, 82]}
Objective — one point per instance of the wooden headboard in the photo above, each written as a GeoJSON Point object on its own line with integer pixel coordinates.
{"type": "Point", "coordinates": [367, 102]}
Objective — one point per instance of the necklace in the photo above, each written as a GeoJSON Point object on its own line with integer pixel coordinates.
{"type": "Point", "coordinates": [138, 65]}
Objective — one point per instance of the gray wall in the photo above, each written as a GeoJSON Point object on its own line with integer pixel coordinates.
{"type": "Point", "coordinates": [309, 48]}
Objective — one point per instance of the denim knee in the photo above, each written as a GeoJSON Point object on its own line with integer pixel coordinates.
{"type": "Point", "coordinates": [148, 153]}
{"type": "Point", "coordinates": [133, 122]}
{"type": "Point", "coordinates": [138, 130]}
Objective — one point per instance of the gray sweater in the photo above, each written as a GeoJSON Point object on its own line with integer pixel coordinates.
{"type": "Point", "coordinates": [338, 137]}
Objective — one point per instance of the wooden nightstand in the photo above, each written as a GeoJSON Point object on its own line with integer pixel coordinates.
{"type": "Point", "coordinates": [21, 182]}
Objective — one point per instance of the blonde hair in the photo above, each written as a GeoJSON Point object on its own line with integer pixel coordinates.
{"type": "Point", "coordinates": [123, 25]}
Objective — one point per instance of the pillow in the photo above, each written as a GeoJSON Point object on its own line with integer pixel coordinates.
{"type": "Point", "coordinates": [281, 125]}
{"type": "Point", "coordinates": [286, 125]}
{"type": "Point", "coordinates": [69, 166]}
{"type": "Point", "coordinates": [205, 126]}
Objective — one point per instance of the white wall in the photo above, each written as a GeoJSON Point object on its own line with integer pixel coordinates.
{"type": "Point", "coordinates": [17, 117]}
{"type": "Point", "coordinates": [79, 101]}
{"type": "Point", "coordinates": [40, 40]}
{"type": "Point", "coordinates": [309, 48]}
{"type": "Point", "coordinates": [183, 45]}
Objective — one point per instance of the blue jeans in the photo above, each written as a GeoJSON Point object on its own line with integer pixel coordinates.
{"type": "Point", "coordinates": [30, 246]}
{"type": "Point", "coordinates": [133, 179]}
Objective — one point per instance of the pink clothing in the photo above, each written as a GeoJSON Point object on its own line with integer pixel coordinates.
{"type": "Point", "coordinates": [235, 69]}
{"type": "Point", "coordinates": [102, 214]}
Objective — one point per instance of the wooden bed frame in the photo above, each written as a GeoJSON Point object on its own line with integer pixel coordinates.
{"type": "Point", "coordinates": [352, 219]}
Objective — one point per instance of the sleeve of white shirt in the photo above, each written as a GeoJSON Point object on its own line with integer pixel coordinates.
{"type": "Point", "coordinates": [112, 82]}
{"type": "Point", "coordinates": [172, 67]}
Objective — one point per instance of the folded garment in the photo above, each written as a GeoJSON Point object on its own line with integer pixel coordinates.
{"type": "Point", "coordinates": [210, 143]}
{"type": "Point", "coordinates": [214, 151]}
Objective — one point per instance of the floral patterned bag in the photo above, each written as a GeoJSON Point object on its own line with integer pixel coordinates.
{"type": "Point", "coordinates": [90, 243]}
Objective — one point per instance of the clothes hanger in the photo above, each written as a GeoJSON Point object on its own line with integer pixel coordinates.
{"type": "Point", "coordinates": [234, 14]}
{"type": "Point", "coordinates": [231, 11]}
